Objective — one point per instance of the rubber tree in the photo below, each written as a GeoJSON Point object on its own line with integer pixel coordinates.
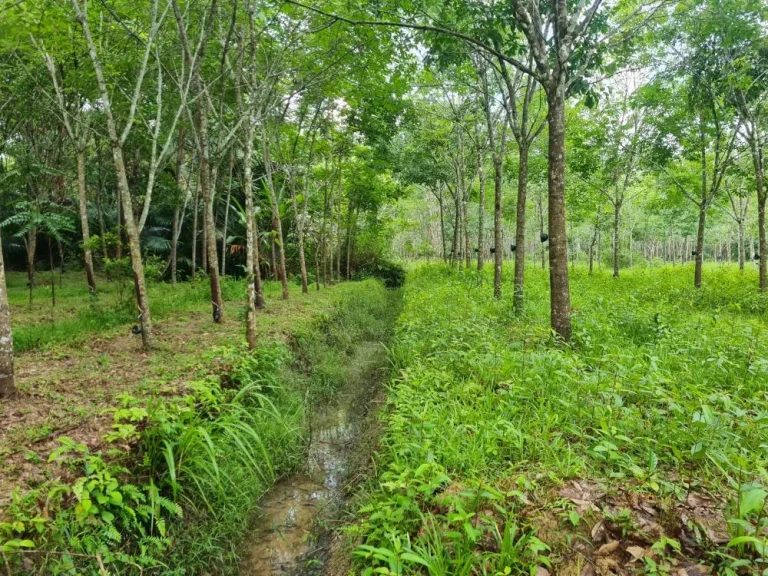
{"type": "Point", "coordinates": [7, 381]}
{"type": "Point", "coordinates": [117, 142]}
{"type": "Point", "coordinates": [497, 142]}
{"type": "Point", "coordinates": [564, 43]}
{"type": "Point", "coordinates": [609, 144]}
{"type": "Point", "coordinates": [76, 123]}
{"type": "Point", "coordinates": [739, 209]}
{"type": "Point", "coordinates": [526, 118]}
{"type": "Point", "coordinates": [694, 134]}
{"type": "Point", "coordinates": [202, 139]}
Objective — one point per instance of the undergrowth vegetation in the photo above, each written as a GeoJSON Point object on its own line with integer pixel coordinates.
{"type": "Point", "coordinates": [639, 447]}
{"type": "Point", "coordinates": [178, 480]}
{"type": "Point", "coordinates": [74, 318]}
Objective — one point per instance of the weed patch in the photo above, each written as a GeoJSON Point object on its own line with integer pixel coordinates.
{"type": "Point", "coordinates": [173, 485]}
{"type": "Point", "coordinates": [640, 447]}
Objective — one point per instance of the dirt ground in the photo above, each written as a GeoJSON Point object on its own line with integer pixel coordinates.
{"type": "Point", "coordinates": [68, 389]}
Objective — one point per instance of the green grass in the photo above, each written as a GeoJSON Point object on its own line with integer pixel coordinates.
{"type": "Point", "coordinates": [178, 480]}
{"type": "Point", "coordinates": [77, 316]}
{"type": "Point", "coordinates": [663, 394]}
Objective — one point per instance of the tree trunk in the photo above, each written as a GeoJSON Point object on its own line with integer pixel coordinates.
{"type": "Point", "coordinates": [465, 227]}
{"type": "Point", "coordinates": [277, 225]}
{"type": "Point", "coordinates": [31, 249]}
{"type": "Point", "coordinates": [119, 226]}
{"type": "Point", "coordinates": [84, 221]}
{"type": "Point", "coordinates": [480, 215]}
{"type": "Point", "coordinates": [7, 382]}
{"type": "Point", "coordinates": [442, 225]}
{"type": "Point", "coordinates": [700, 245]}
{"type": "Point", "coordinates": [456, 229]}
{"type": "Point", "coordinates": [522, 192]}
{"type": "Point", "coordinates": [195, 211]}
{"type": "Point", "coordinates": [123, 189]}
{"type": "Point", "coordinates": [299, 221]}
{"type": "Point", "coordinates": [53, 278]}
{"type": "Point", "coordinates": [541, 231]}
{"type": "Point", "coordinates": [560, 296]}
{"type": "Point", "coordinates": [134, 246]}
{"type": "Point", "coordinates": [757, 161]}
{"type": "Point", "coordinates": [251, 241]}
{"type": "Point", "coordinates": [498, 175]}
{"type": "Point", "coordinates": [60, 248]}
{"type": "Point", "coordinates": [339, 233]}
{"type": "Point", "coordinates": [204, 247]}
{"type": "Point", "coordinates": [99, 197]}
{"type": "Point", "coordinates": [592, 243]}
{"type": "Point", "coordinates": [273, 256]}
{"type": "Point", "coordinates": [616, 223]}
{"type": "Point", "coordinates": [741, 245]}
{"type": "Point", "coordinates": [303, 262]}
{"type": "Point", "coordinates": [257, 281]}
{"type": "Point", "coordinates": [226, 214]}
{"type": "Point", "coordinates": [350, 216]}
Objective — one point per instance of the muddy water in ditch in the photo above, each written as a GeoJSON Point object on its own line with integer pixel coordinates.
{"type": "Point", "coordinates": [291, 533]}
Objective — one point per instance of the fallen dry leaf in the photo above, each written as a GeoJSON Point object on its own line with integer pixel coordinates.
{"type": "Point", "coordinates": [598, 532]}
{"type": "Point", "coordinates": [608, 548]}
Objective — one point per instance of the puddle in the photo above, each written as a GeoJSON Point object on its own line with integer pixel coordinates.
{"type": "Point", "coordinates": [290, 536]}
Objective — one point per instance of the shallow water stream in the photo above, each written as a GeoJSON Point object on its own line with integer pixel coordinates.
{"type": "Point", "coordinates": [290, 535]}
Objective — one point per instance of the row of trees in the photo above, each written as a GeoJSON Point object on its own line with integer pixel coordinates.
{"type": "Point", "coordinates": [662, 102]}
{"type": "Point", "coordinates": [285, 127]}
{"type": "Point", "coordinates": [193, 132]}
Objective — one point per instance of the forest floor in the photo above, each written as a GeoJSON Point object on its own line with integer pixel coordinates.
{"type": "Point", "coordinates": [640, 447]}
{"type": "Point", "coordinates": [75, 373]}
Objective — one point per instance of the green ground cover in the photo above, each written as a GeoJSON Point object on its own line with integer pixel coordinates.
{"type": "Point", "coordinates": [640, 447]}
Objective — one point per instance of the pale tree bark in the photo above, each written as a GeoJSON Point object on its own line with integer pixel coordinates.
{"type": "Point", "coordinates": [99, 196]}
{"type": "Point", "coordinates": [30, 243]}
{"type": "Point", "coordinates": [352, 224]}
{"type": "Point", "coordinates": [195, 213]}
{"type": "Point", "coordinates": [7, 381]}
{"type": "Point", "coordinates": [300, 212]}
{"type": "Point", "coordinates": [117, 141]}
{"type": "Point", "coordinates": [226, 214]}
{"type": "Point", "coordinates": [300, 241]}
{"type": "Point", "coordinates": [257, 280]}
{"type": "Point", "coordinates": [437, 191]}
{"type": "Point", "coordinates": [740, 208]}
{"type": "Point", "coordinates": [251, 241]}
{"type": "Point", "coordinates": [273, 201]}
{"type": "Point", "coordinates": [202, 139]}
{"type": "Point", "coordinates": [595, 234]}
{"type": "Point", "coordinates": [77, 133]}
{"type": "Point", "coordinates": [178, 211]}
{"type": "Point", "coordinates": [455, 244]}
